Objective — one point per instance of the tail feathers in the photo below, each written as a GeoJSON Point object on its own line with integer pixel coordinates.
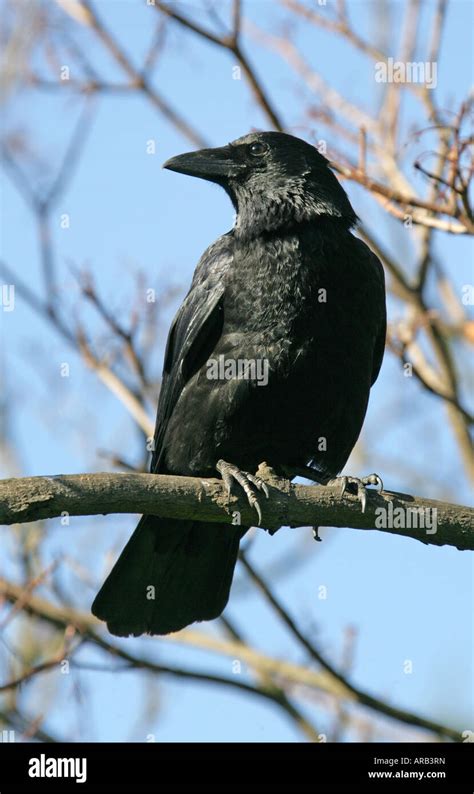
{"type": "Point", "coordinates": [170, 574]}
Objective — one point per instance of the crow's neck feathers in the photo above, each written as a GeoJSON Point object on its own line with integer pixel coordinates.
{"type": "Point", "coordinates": [267, 206]}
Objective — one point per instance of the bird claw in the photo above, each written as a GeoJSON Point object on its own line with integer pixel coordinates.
{"type": "Point", "coordinates": [360, 483]}
{"type": "Point", "coordinates": [247, 481]}
{"type": "Point", "coordinates": [258, 482]}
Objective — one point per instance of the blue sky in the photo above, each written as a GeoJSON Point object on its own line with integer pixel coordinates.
{"type": "Point", "coordinates": [407, 601]}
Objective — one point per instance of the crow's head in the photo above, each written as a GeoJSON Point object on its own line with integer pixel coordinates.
{"type": "Point", "coordinates": [274, 180]}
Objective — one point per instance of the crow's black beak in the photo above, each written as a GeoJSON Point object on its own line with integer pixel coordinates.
{"type": "Point", "coordinates": [216, 165]}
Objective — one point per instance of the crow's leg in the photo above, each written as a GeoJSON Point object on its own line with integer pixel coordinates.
{"type": "Point", "coordinates": [359, 484]}
{"type": "Point", "coordinates": [249, 482]}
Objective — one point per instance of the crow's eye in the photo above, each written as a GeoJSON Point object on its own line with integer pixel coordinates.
{"type": "Point", "coordinates": [258, 148]}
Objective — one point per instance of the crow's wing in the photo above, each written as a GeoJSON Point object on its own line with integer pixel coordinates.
{"type": "Point", "coordinates": [193, 335]}
{"type": "Point", "coordinates": [379, 345]}
{"type": "Point", "coordinates": [378, 311]}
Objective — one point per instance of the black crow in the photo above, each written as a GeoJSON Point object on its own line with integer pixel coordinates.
{"type": "Point", "coordinates": [270, 358]}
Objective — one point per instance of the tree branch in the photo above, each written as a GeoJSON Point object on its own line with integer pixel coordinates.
{"type": "Point", "coordinates": [429, 521]}
{"type": "Point", "coordinates": [231, 44]}
{"type": "Point", "coordinates": [86, 624]}
{"type": "Point", "coordinates": [326, 681]}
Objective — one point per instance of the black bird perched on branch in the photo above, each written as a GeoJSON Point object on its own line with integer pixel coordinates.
{"type": "Point", "coordinates": [270, 358]}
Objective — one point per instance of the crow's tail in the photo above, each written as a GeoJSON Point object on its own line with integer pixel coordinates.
{"type": "Point", "coordinates": [169, 574]}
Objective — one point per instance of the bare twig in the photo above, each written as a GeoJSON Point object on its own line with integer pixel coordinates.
{"type": "Point", "coordinates": [284, 671]}
{"type": "Point", "coordinates": [139, 81]}
{"type": "Point", "coordinates": [230, 43]}
{"type": "Point", "coordinates": [78, 341]}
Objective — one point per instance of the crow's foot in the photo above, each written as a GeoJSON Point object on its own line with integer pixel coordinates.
{"type": "Point", "coordinates": [247, 481]}
{"type": "Point", "coordinates": [359, 486]}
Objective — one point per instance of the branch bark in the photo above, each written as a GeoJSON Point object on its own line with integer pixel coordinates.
{"type": "Point", "coordinates": [429, 521]}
